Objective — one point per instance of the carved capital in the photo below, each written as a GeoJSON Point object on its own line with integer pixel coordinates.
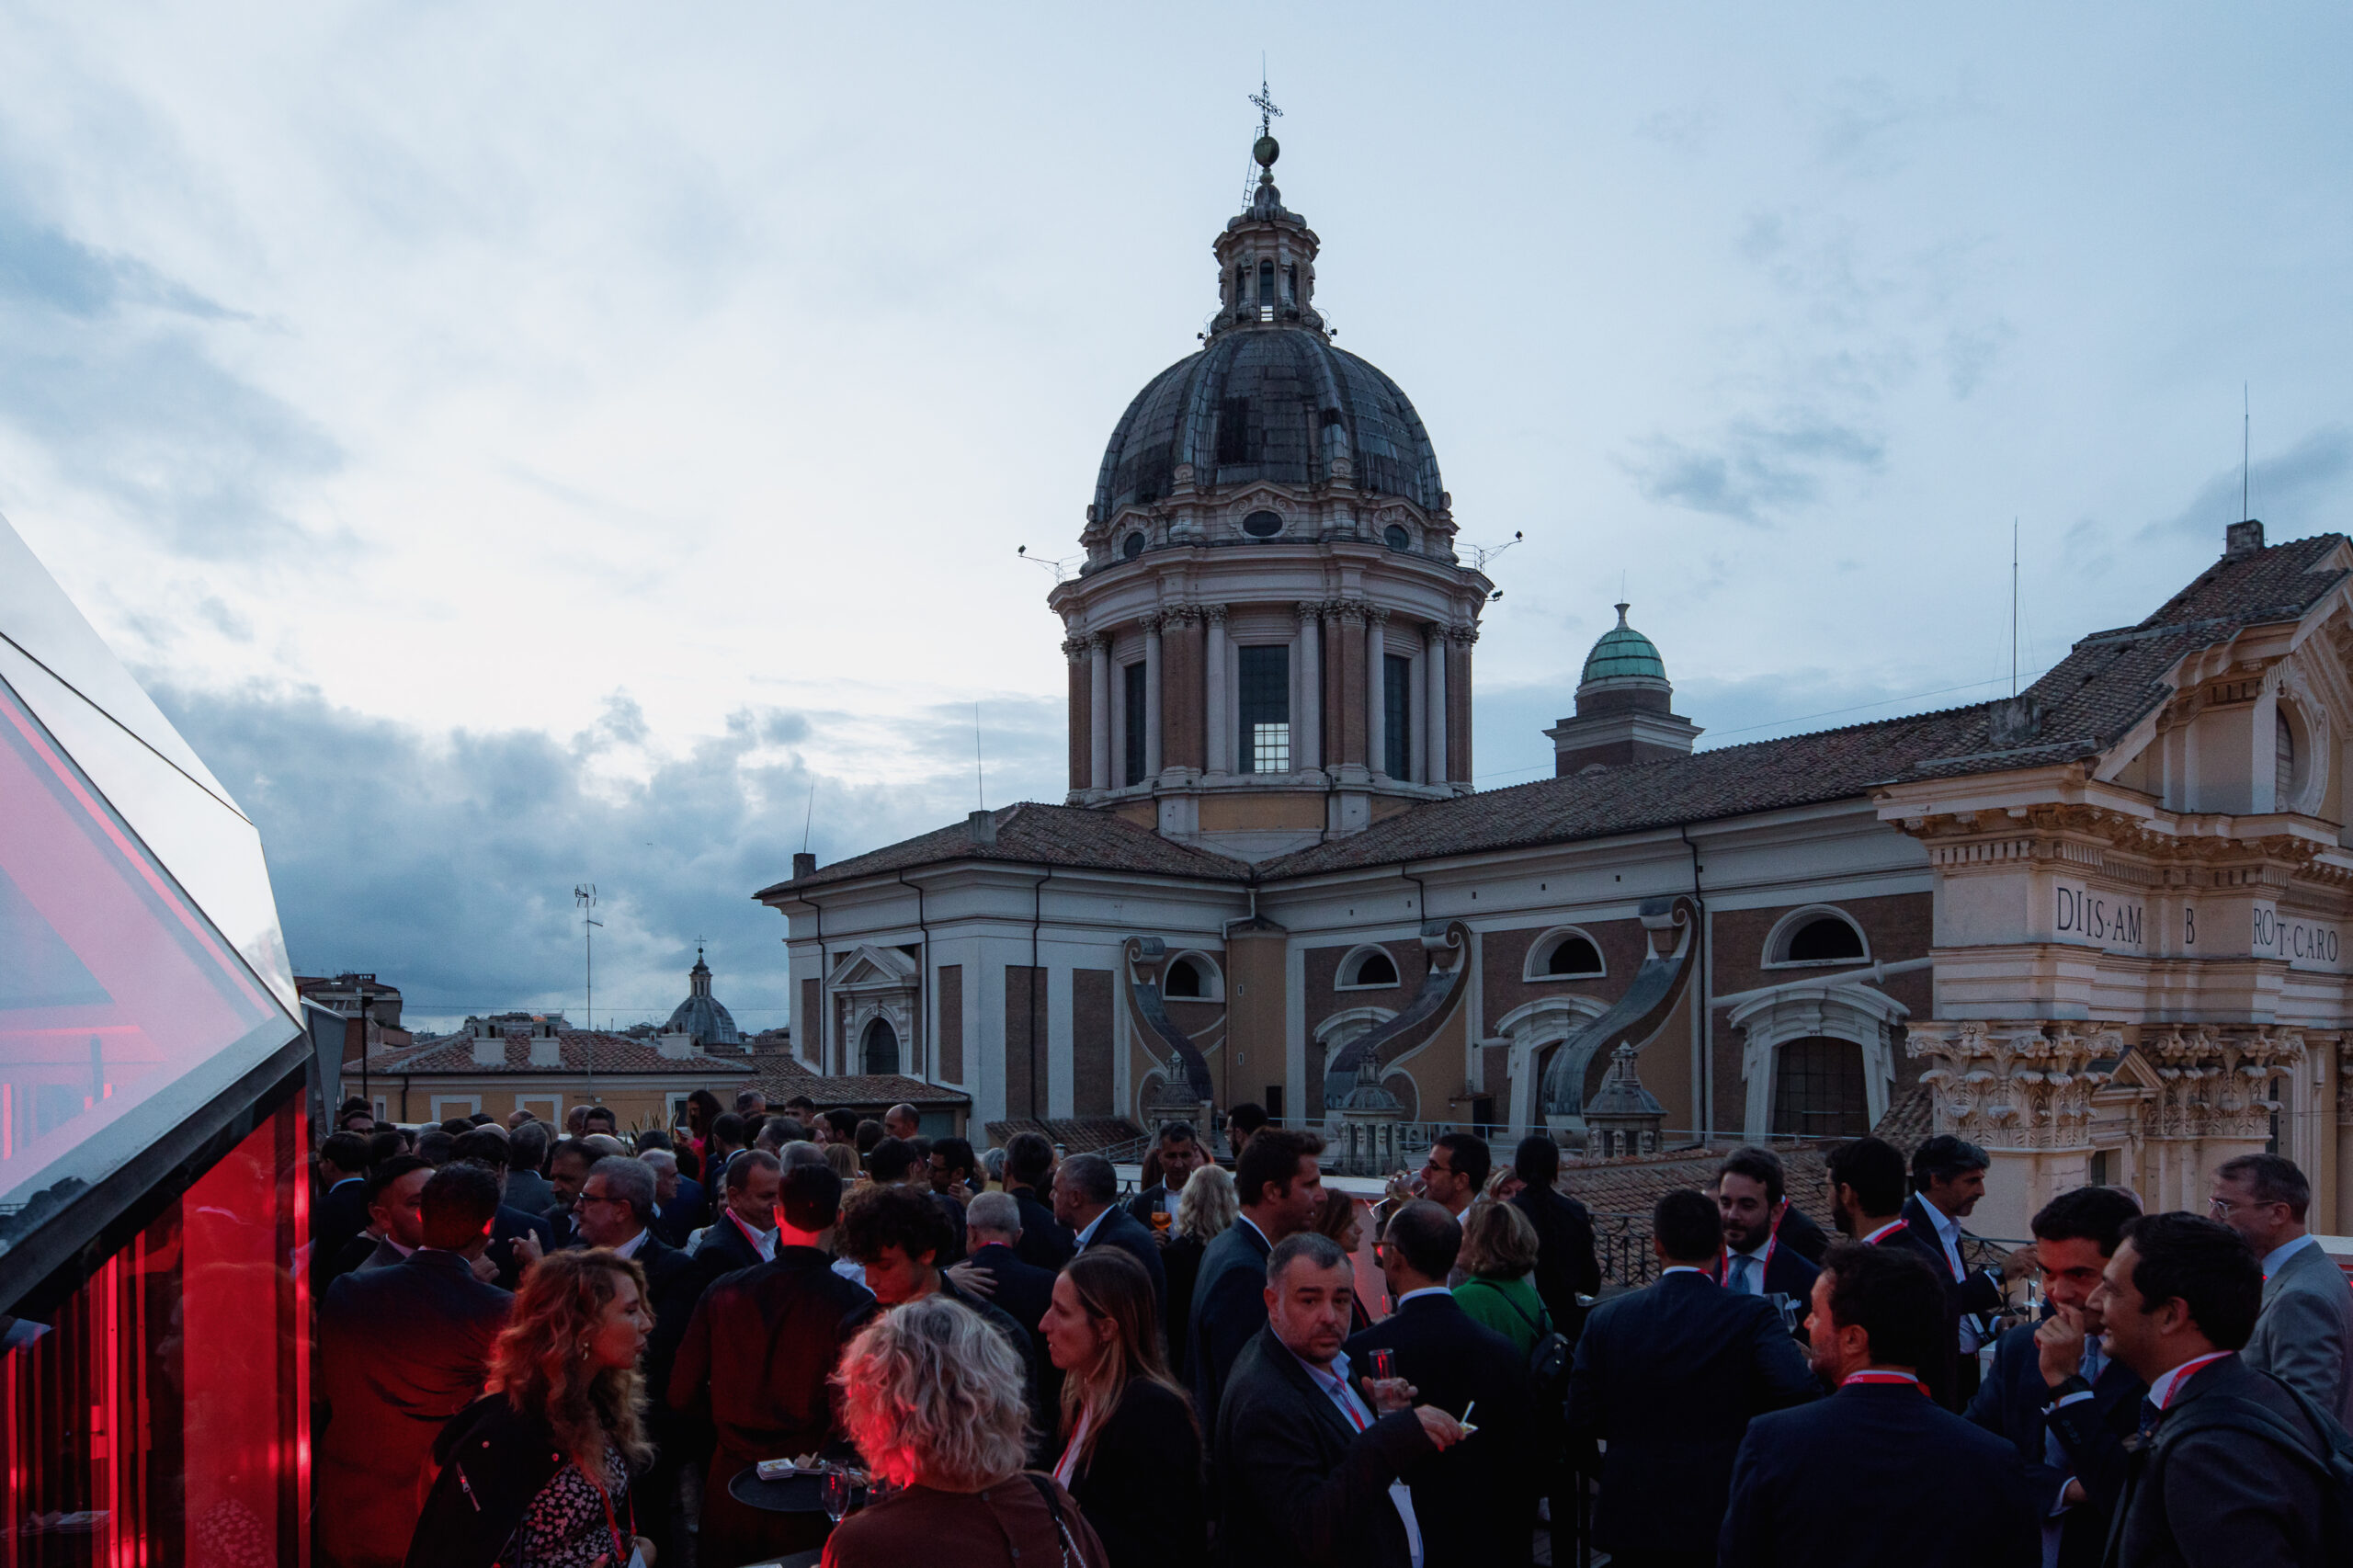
{"type": "Point", "coordinates": [2022, 1085]}
{"type": "Point", "coordinates": [1213, 614]}
{"type": "Point", "coordinates": [1462, 636]}
{"type": "Point", "coordinates": [1347, 612]}
{"type": "Point", "coordinates": [1377, 614]}
{"type": "Point", "coordinates": [1075, 648]}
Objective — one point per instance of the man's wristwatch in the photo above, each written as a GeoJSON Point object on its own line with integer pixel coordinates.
{"type": "Point", "coordinates": [2073, 1383]}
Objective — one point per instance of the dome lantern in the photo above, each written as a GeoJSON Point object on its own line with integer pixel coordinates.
{"type": "Point", "coordinates": [1625, 708]}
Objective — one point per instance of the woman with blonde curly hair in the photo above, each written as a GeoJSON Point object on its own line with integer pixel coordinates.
{"type": "Point", "coordinates": [1206, 1205]}
{"type": "Point", "coordinates": [933, 1397]}
{"type": "Point", "coordinates": [535, 1473]}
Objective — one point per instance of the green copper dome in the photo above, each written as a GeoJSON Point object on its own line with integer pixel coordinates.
{"type": "Point", "coordinates": [1623, 654]}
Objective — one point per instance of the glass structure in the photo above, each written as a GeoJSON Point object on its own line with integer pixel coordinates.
{"type": "Point", "coordinates": [156, 1096]}
{"type": "Point", "coordinates": [1264, 688]}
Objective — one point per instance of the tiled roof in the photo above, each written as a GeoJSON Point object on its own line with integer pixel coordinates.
{"type": "Point", "coordinates": [1631, 1187]}
{"type": "Point", "coordinates": [454, 1054]}
{"type": "Point", "coordinates": [1035, 835]}
{"type": "Point", "coordinates": [1076, 1134]}
{"type": "Point", "coordinates": [776, 1074]}
{"type": "Point", "coordinates": [2098, 692]}
{"type": "Point", "coordinates": [1910, 1118]}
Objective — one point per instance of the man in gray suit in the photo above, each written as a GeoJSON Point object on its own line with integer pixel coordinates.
{"type": "Point", "coordinates": [2304, 1337]}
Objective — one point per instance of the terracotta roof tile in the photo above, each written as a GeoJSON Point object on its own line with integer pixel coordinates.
{"type": "Point", "coordinates": [776, 1074]}
{"type": "Point", "coordinates": [1077, 1135]}
{"type": "Point", "coordinates": [454, 1054]}
{"type": "Point", "coordinates": [1034, 834]}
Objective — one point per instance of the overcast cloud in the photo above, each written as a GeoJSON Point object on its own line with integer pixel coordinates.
{"type": "Point", "coordinates": [528, 446]}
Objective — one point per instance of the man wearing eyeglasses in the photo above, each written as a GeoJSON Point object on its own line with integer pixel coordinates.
{"type": "Point", "coordinates": [2304, 1337]}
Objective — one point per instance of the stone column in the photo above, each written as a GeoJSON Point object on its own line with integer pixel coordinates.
{"type": "Point", "coordinates": [1180, 705]}
{"type": "Point", "coordinates": [2345, 1135]}
{"type": "Point", "coordinates": [1082, 717]}
{"type": "Point", "coordinates": [1217, 711]}
{"type": "Point", "coordinates": [1376, 687]}
{"type": "Point", "coordinates": [1307, 720]}
{"type": "Point", "coordinates": [1458, 720]}
{"type": "Point", "coordinates": [1098, 653]}
{"type": "Point", "coordinates": [1437, 716]}
{"type": "Point", "coordinates": [1153, 706]}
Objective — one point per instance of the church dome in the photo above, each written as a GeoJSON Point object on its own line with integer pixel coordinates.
{"type": "Point", "coordinates": [700, 1015]}
{"type": "Point", "coordinates": [1274, 403]}
{"type": "Point", "coordinates": [1623, 654]}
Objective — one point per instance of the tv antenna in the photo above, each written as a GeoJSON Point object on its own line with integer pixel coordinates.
{"type": "Point", "coordinates": [1482, 554]}
{"type": "Point", "coordinates": [2246, 449]}
{"type": "Point", "coordinates": [809, 817]}
{"type": "Point", "coordinates": [1058, 567]}
{"type": "Point", "coordinates": [980, 779]}
{"type": "Point", "coordinates": [2013, 606]}
{"type": "Point", "coordinates": [584, 898]}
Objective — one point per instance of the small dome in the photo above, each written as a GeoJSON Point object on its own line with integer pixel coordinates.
{"type": "Point", "coordinates": [700, 1015]}
{"type": "Point", "coordinates": [1623, 654]}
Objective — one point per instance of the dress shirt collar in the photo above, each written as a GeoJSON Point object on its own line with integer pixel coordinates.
{"type": "Point", "coordinates": [1246, 1220]}
{"type": "Point", "coordinates": [1425, 1290]}
{"type": "Point", "coordinates": [404, 1252]}
{"type": "Point", "coordinates": [2286, 1250]}
{"type": "Point", "coordinates": [1947, 1228]}
{"type": "Point", "coordinates": [629, 1249]}
{"type": "Point", "coordinates": [763, 1241]}
{"type": "Point", "coordinates": [2161, 1392]}
{"type": "Point", "coordinates": [1094, 1225]}
{"type": "Point", "coordinates": [1680, 1268]}
{"type": "Point", "coordinates": [345, 1182]}
{"type": "Point", "coordinates": [1884, 1231]}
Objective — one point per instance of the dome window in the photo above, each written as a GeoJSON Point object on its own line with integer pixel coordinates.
{"type": "Point", "coordinates": [1395, 536]}
{"type": "Point", "coordinates": [1573, 957]}
{"type": "Point", "coordinates": [1184, 978]}
{"type": "Point", "coordinates": [1818, 933]}
{"type": "Point", "coordinates": [1368, 967]}
{"type": "Point", "coordinates": [1263, 525]}
{"type": "Point", "coordinates": [1132, 546]}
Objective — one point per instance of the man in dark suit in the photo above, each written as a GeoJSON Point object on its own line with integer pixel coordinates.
{"type": "Point", "coordinates": [1281, 1187]}
{"type": "Point", "coordinates": [1754, 1210]}
{"type": "Point", "coordinates": [2217, 1481]}
{"type": "Point", "coordinates": [516, 1239]}
{"type": "Point", "coordinates": [755, 1362]}
{"type": "Point", "coordinates": [680, 1205]}
{"type": "Point", "coordinates": [2076, 1464]}
{"type": "Point", "coordinates": [897, 1162]}
{"type": "Point", "coordinates": [568, 1165]}
{"type": "Point", "coordinates": [743, 1233]}
{"type": "Point", "coordinates": [1877, 1474]}
{"type": "Point", "coordinates": [612, 1210]}
{"type": "Point", "coordinates": [1947, 1180]}
{"type": "Point", "coordinates": [1087, 1203]}
{"type": "Point", "coordinates": [526, 1151]}
{"type": "Point", "coordinates": [1476, 1503]}
{"type": "Point", "coordinates": [395, 1216]}
{"type": "Point", "coordinates": [1180, 1157]}
{"type": "Point", "coordinates": [1029, 1175]}
{"type": "Point", "coordinates": [994, 1269]}
{"type": "Point", "coordinates": [342, 1211]}
{"type": "Point", "coordinates": [1565, 1265]}
{"type": "Point", "coordinates": [1866, 1179]}
{"type": "Point", "coordinates": [1669, 1377]}
{"type": "Point", "coordinates": [401, 1350]}
{"type": "Point", "coordinates": [1314, 1458]}
{"type": "Point", "coordinates": [2305, 1335]}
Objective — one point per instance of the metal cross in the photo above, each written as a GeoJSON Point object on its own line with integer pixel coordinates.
{"type": "Point", "coordinates": [1267, 112]}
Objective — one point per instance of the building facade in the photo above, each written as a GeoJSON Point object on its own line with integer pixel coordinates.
{"type": "Point", "coordinates": [2094, 927]}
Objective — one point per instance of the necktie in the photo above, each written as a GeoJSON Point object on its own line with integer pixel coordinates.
{"type": "Point", "coordinates": [2149, 1413]}
{"type": "Point", "coordinates": [1743, 1274]}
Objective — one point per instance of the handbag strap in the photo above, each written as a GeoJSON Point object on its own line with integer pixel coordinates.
{"type": "Point", "coordinates": [1539, 1325]}
{"type": "Point", "coordinates": [1046, 1490]}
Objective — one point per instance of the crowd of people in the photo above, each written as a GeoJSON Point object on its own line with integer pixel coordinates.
{"type": "Point", "coordinates": [569, 1351]}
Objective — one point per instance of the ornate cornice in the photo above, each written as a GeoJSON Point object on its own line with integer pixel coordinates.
{"type": "Point", "coordinates": [2015, 1085]}
{"type": "Point", "coordinates": [2216, 1083]}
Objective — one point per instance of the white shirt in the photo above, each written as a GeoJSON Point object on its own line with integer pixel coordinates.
{"type": "Point", "coordinates": [1679, 1268]}
{"type": "Point", "coordinates": [763, 1241]}
{"type": "Point", "coordinates": [2286, 1250]}
{"type": "Point", "coordinates": [629, 1249]}
{"type": "Point", "coordinates": [1340, 1389]}
{"type": "Point", "coordinates": [1093, 1225]}
{"type": "Point", "coordinates": [2161, 1392]}
{"type": "Point", "coordinates": [1246, 1220]}
{"type": "Point", "coordinates": [1753, 1284]}
{"type": "Point", "coordinates": [1948, 1232]}
{"type": "Point", "coordinates": [1425, 1290]}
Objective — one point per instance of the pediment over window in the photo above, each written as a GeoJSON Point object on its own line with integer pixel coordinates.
{"type": "Point", "coordinates": [866, 967]}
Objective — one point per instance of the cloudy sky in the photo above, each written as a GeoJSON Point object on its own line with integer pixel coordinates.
{"type": "Point", "coordinates": [545, 444]}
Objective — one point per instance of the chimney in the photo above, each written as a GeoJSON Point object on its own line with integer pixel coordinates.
{"type": "Point", "coordinates": [490, 1046]}
{"type": "Point", "coordinates": [547, 1048]}
{"type": "Point", "coordinates": [2242, 540]}
{"type": "Point", "coordinates": [984, 827]}
{"type": "Point", "coordinates": [803, 865]}
{"type": "Point", "coordinates": [675, 1047]}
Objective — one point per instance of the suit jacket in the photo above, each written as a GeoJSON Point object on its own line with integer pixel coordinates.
{"type": "Point", "coordinates": [1670, 1378]}
{"type": "Point", "coordinates": [2010, 1404]}
{"type": "Point", "coordinates": [724, 1250]}
{"type": "Point", "coordinates": [1787, 1272]}
{"type": "Point", "coordinates": [758, 1349]}
{"type": "Point", "coordinates": [1045, 1242]}
{"type": "Point", "coordinates": [1142, 1486]}
{"type": "Point", "coordinates": [1477, 1501]}
{"type": "Point", "coordinates": [1022, 1290]}
{"type": "Point", "coordinates": [1121, 1230]}
{"type": "Point", "coordinates": [1942, 1375]}
{"type": "Point", "coordinates": [529, 1191]}
{"type": "Point", "coordinates": [1229, 1309]}
{"type": "Point", "coordinates": [1803, 1236]}
{"type": "Point", "coordinates": [1300, 1487]}
{"type": "Point", "coordinates": [2219, 1499]}
{"type": "Point", "coordinates": [509, 1225]}
{"type": "Point", "coordinates": [674, 1283]}
{"type": "Point", "coordinates": [1182, 1262]}
{"type": "Point", "coordinates": [1565, 1264]}
{"type": "Point", "coordinates": [1839, 1483]}
{"type": "Point", "coordinates": [341, 1214]}
{"type": "Point", "coordinates": [2305, 1335]}
{"type": "Point", "coordinates": [954, 1212]}
{"type": "Point", "coordinates": [400, 1351]}
{"type": "Point", "coordinates": [688, 1211]}
{"type": "Point", "coordinates": [380, 1255]}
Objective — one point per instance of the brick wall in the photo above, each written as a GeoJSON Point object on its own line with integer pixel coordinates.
{"type": "Point", "coordinates": [1025, 998]}
{"type": "Point", "coordinates": [1090, 1041]}
{"type": "Point", "coordinates": [951, 1022]}
{"type": "Point", "coordinates": [810, 1022]}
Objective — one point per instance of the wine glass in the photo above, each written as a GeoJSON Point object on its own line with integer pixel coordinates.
{"type": "Point", "coordinates": [837, 1492]}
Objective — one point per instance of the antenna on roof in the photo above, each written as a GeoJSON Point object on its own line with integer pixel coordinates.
{"type": "Point", "coordinates": [2246, 449]}
{"type": "Point", "coordinates": [1482, 554]}
{"type": "Point", "coordinates": [980, 779]}
{"type": "Point", "coordinates": [2013, 606]}
{"type": "Point", "coordinates": [809, 817]}
{"type": "Point", "coordinates": [1056, 567]}
{"type": "Point", "coordinates": [584, 896]}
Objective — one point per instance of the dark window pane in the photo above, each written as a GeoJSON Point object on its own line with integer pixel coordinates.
{"type": "Point", "coordinates": [881, 1049]}
{"type": "Point", "coordinates": [1265, 683]}
{"type": "Point", "coordinates": [1263, 525]}
{"type": "Point", "coordinates": [1184, 980]}
{"type": "Point", "coordinates": [1396, 538]}
{"type": "Point", "coordinates": [1397, 715]}
{"type": "Point", "coordinates": [1823, 940]}
{"type": "Point", "coordinates": [1233, 430]}
{"type": "Point", "coordinates": [1133, 675]}
{"type": "Point", "coordinates": [1132, 546]}
{"type": "Point", "coordinates": [1818, 1092]}
{"type": "Point", "coordinates": [1573, 956]}
{"type": "Point", "coordinates": [1375, 969]}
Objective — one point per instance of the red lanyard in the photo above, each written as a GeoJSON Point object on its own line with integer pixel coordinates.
{"type": "Point", "coordinates": [2182, 1374]}
{"type": "Point", "coordinates": [1883, 1378]}
{"type": "Point", "coordinates": [1882, 1232]}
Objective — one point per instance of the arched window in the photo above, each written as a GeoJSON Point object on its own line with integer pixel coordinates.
{"type": "Point", "coordinates": [1818, 1089]}
{"type": "Point", "coordinates": [1395, 536]}
{"type": "Point", "coordinates": [1573, 956]}
{"type": "Point", "coordinates": [1132, 546]}
{"type": "Point", "coordinates": [878, 1052]}
{"type": "Point", "coordinates": [1563, 953]}
{"type": "Point", "coordinates": [1184, 978]}
{"type": "Point", "coordinates": [1367, 968]}
{"type": "Point", "coordinates": [1817, 934]}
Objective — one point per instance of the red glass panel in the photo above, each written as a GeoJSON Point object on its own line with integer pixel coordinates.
{"type": "Point", "coordinates": [161, 1414]}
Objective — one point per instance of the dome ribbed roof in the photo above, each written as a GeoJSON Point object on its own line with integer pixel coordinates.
{"type": "Point", "coordinates": [700, 1015]}
{"type": "Point", "coordinates": [1623, 654]}
{"type": "Point", "coordinates": [1276, 404]}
